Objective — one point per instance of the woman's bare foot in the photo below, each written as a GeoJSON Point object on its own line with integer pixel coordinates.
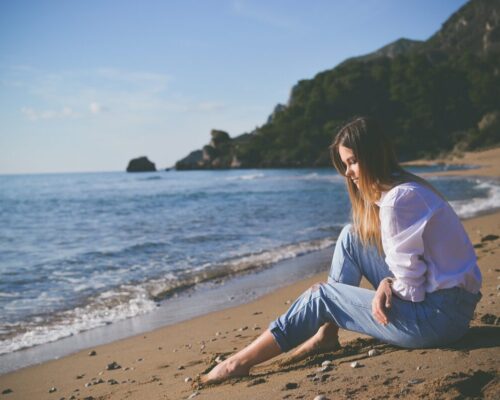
{"type": "Point", "coordinates": [261, 349]}
{"type": "Point", "coordinates": [227, 369]}
{"type": "Point", "coordinates": [324, 341]}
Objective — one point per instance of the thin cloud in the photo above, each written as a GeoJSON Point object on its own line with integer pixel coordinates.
{"type": "Point", "coordinates": [96, 108]}
{"type": "Point", "coordinates": [34, 115]}
{"type": "Point", "coordinates": [135, 97]}
{"type": "Point", "coordinates": [210, 106]}
{"type": "Point", "coordinates": [74, 93]}
{"type": "Point", "coordinates": [248, 10]}
{"type": "Point", "coordinates": [146, 81]}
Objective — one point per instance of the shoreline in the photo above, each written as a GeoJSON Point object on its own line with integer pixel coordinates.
{"type": "Point", "coordinates": [151, 361]}
{"type": "Point", "coordinates": [201, 299]}
{"type": "Point", "coordinates": [216, 295]}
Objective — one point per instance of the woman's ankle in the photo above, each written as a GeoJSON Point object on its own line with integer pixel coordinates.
{"type": "Point", "coordinates": [235, 366]}
{"type": "Point", "coordinates": [328, 332]}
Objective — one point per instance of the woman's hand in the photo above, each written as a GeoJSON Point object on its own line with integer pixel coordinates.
{"type": "Point", "coordinates": [382, 301]}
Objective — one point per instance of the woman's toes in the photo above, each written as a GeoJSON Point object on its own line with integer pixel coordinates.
{"type": "Point", "coordinates": [225, 370]}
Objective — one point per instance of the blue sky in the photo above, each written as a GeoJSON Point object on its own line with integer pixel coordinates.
{"type": "Point", "coordinates": [88, 85]}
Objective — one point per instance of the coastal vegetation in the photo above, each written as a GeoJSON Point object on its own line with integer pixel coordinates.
{"type": "Point", "coordinates": [432, 97]}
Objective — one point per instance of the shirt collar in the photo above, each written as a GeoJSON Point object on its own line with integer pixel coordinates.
{"type": "Point", "coordinates": [383, 194]}
{"type": "Point", "coordinates": [380, 201]}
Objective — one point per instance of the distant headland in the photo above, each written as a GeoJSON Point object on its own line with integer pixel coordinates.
{"type": "Point", "coordinates": [432, 97]}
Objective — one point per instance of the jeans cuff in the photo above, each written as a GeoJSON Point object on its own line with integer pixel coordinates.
{"type": "Point", "coordinates": [279, 336]}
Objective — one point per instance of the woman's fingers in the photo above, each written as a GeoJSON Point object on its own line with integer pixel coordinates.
{"type": "Point", "coordinates": [382, 317]}
{"type": "Point", "coordinates": [381, 302]}
{"type": "Point", "coordinates": [388, 298]}
{"type": "Point", "coordinates": [378, 307]}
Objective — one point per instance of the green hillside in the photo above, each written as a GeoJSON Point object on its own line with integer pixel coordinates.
{"type": "Point", "coordinates": [430, 96]}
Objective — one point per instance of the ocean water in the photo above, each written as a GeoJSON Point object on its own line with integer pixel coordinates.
{"type": "Point", "coordinates": [79, 251]}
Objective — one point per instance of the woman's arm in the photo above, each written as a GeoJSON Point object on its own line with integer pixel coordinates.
{"type": "Point", "coordinates": [382, 301]}
{"type": "Point", "coordinates": [403, 220]}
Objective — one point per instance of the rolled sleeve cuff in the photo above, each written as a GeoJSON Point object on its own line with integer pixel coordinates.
{"type": "Point", "coordinates": [407, 292]}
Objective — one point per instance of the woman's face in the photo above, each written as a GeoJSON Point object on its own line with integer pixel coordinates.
{"type": "Point", "coordinates": [351, 164]}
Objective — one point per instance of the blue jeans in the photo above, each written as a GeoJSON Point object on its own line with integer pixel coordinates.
{"type": "Point", "coordinates": [443, 317]}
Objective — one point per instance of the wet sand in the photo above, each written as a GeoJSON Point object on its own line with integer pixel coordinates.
{"type": "Point", "coordinates": [160, 364]}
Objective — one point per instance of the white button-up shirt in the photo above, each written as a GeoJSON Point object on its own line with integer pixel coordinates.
{"type": "Point", "coordinates": [425, 245]}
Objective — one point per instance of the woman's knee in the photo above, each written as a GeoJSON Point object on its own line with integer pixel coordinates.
{"type": "Point", "coordinates": [316, 294]}
{"type": "Point", "coordinates": [344, 267]}
{"type": "Point", "coordinates": [347, 236]}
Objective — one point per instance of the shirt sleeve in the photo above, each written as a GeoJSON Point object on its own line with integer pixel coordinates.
{"type": "Point", "coordinates": [403, 222]}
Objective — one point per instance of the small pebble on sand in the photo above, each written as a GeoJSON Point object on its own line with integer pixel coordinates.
{"type": "Point", "coordinates": [194, 394]}
{"type": "Point", "coordinates": [355, 364]}
{"type": "Point", "coordinates": [112, 366]}
{"type": "Point", "coordinates": [92, 353]}
{"type": "Point", "coordinates": [52, 390]}
{"type": "Point", "coordinates": [188, 379]}
{"type": "Point", "coordinates": [7, 391]}
{"type": "Point", "coordinates": [257, 381]}
{"type": "Point", "coordinates": [321, 397]}
{"type": "Point", "coordinates": [326, 363]}
{"type": "Point", "coordinates": [373, 352]}
{"type": "Point", "coordinates": [291, 385]}
{"type": "Point", "coordinates": [180, 367]}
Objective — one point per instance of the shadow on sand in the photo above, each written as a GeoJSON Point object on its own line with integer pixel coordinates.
{"type": "Point", "coordinates": [478, 337]}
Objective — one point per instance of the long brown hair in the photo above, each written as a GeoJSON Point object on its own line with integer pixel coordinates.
{"type": "Point", "coordinates": [379, 171]}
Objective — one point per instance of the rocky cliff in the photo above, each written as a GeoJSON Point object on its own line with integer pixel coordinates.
{"type": "Point", "coordinates": [431, 96]}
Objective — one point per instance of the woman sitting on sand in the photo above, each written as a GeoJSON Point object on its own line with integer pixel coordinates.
{"type": "Point", "coordinates": [405, 239]}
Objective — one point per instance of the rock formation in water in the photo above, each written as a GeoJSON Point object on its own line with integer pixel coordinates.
{"type": "Point", "coordinates": [141, 164]}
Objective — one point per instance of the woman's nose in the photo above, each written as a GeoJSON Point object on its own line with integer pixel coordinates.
{"type": "Point", "coordinates": [348, 171]}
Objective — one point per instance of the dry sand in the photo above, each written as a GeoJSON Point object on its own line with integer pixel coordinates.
{"type": "Point", "coordinates": [487, 163]}
{"type": "Point", "coordinates": [160, 364]}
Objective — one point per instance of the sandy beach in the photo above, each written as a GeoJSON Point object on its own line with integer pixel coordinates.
{"type": "Point", "coordinates": [163, 364]}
